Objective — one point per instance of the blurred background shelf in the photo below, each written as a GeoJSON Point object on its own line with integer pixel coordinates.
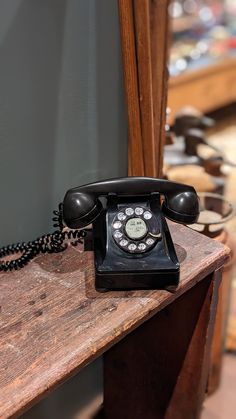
{"type": "Point", "coordinates": [183, 23]}
{"type": "Point", "coordinates": [208, 88]}
{"type": "Point", "coordinates": [202, 59]}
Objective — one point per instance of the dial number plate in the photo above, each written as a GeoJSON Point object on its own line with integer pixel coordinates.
{"type": "Point", "coordinates": [136, 228]}
{"type": "Point", "coordinates": [131, 229]}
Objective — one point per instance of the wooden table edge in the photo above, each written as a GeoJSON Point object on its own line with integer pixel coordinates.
{"type": "Point", "coordinates": [69, 367]}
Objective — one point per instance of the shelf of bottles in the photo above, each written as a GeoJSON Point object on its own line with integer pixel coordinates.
{"type": "Point", "coordinates": [203, 33]}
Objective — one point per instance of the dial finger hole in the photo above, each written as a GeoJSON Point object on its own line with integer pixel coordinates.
{"type": "Point", "coordinates": [150, 242]}
{"type": "Point", "coordinates": [121, 216]}
{"type": "Point", "coordinates": [117, 234]}
{"type": "Point", "coordinates": [123, 243]}
{"type": "Point", "coordinates": [147, 215]}
{"type": "Point", "coordinates": [142, 246]}
{"type": "Point", "coordinates": [117, 224]}
{"type": "Point", "coordinates": [132, 246]}
{"type": "Point", "coordinates": [139, 211]}
{"type": "Point", "coordinates": [129, 211]}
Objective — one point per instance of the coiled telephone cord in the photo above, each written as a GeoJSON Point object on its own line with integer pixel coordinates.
{"type": "Point", "coordinates": [48, 243]}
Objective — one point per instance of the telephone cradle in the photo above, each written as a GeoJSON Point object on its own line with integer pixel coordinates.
{"type": "Point", "coordinates": [132, 244]}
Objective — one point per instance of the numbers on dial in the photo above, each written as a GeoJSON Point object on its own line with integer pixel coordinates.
{"type": "Point", "coordinates": [142, 246]}
{"type": "Point", "coordinates": [150, 241]}
{"type": "Point", "coordinates": [139, 211]}
{"type": "Point", "coordinates": [121, 216]}
{"type": "Point", "coordinates": [129, 211]}
{"type": "Point", "coordinates": [118, 234]}
{"type": "Point", "coordinates": [124, 242]}
{"type": "Point", "coordinates": [117, 224]}
{"type": "Point", "coordinates": [132, 247]}
{"type": "Point", "coordinates": [147, 215]}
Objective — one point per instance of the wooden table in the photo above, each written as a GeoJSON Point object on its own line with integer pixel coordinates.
{"type": "Point", "coordinates": [155, 343]}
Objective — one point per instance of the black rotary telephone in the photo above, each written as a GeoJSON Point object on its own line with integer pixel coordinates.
{"type": "Point", "coordinates": [131, 240]}
{"type": "Point", "coordinates": [132, 244]}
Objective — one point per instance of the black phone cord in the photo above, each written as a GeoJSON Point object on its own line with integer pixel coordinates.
{"type": "Point", "coordinates": [48, 243]}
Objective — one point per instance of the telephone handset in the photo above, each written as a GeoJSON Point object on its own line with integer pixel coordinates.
{"type": "Point", "coordinates": [133, 248]}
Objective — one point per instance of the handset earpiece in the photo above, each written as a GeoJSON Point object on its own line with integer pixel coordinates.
{"type": "Point", "coordinates": [182, 207]}
{"type": "Point", "coordinates": [80, 209]}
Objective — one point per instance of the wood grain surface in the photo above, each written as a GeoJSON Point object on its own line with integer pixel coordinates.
{"type": "Point", "coordinates": [144, 67]}
{"type": "Point", "coordinates": [144, 29]}
{"type": "Point", "coordinates": [128, 48]}
{"type": "Point", "coordinates": [160, 37]}
{"type": "Point", "coordinates": [160, 359]}
{"type": "Point", "coordinates": [53, 322]}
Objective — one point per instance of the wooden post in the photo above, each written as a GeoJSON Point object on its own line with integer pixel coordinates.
{"type": "Point", "coordinates": [144, 36]}
{"type": "Point", "coordinates": [127, 33]}
{"type": "Point", "coordinates": [160, 39]}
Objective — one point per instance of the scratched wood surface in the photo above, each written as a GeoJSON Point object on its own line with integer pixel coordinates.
{"type": "Point", "coordinates": [53, 322]}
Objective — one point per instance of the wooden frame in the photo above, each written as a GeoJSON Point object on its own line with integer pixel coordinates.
{"type": "Point", "coordinates": [144, 38]}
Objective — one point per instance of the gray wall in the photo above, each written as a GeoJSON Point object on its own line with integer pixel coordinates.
{"type": "Point", "coordinates": [62, 112]}
{"type": "Point", "coordinates": [62, 118]}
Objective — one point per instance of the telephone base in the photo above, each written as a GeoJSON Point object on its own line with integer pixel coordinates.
{"type": "Point", "coordinates": [116, 269]}
{"type": "Point", "coordinates": [136, 281]}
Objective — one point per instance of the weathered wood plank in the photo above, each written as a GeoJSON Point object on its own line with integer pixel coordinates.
{"type": "Point", "coordinates": [53, 322]}
{"type": "Point", "coordinates": [160, 370]}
